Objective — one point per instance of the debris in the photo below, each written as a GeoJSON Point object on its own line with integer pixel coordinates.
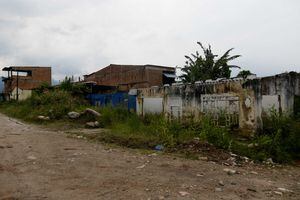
{"type": "Point", "coordinates": [199, 175]}
{"type": "Point", "coordinates": [284, 190]}
{"type": "Point", "coordinates": [229, 171]}
{"type": "Point", "coordinates": [92, 112]}
{"type": "Point", "coordinates": [31, 157]}
{"type": "Point", "coordinates": [153, 154]}
{"type": "Point", "coordinates": [203, 158]}
{"type": "Point", "coordinates": [246, 159]}
{"type": "Point", "coordinates": [251, 189]}
{"type": "Point", "coordinates": [278, 193]}
{"type": "Point", "coordinates": [251, 145]}
{"type": "Point", "coordinates": [69, 148]}
{"type": "Point", "coordinates": [233, 155]}
{"type": "Point", "coordinates": [41, 117]}
{"type": "Point", "coordinates": [221, 183]}
{"type": "Point", "coordinates": [253, 172]}
{"type": "Point", "coordinates": [269, 161]}
{"type": "Point", "coordinates": [73, 115]}
{"type": "Point", "coordinates": [92, 124]}
{"type": "Point", "coordinates": [159, 147]}
{"type": "Point", "coordinates": [141, 167]}
{"type": "Point", "coordinates": [183, 193]}
{"type": "Point", "coordinates": [217, 189]}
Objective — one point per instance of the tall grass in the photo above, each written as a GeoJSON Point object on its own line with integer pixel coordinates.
{"type": "Point", "coordinates": [54, 104]}
{"type": "Point", "coordinates": [156, 129]}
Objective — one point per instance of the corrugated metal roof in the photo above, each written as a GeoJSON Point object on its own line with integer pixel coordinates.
{"type": "Point", "coordinates": [168, 75]}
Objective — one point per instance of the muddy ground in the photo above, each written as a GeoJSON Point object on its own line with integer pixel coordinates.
{"type": "Point", "coordinates": [38, 163]}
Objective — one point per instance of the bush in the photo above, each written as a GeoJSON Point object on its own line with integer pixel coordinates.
{"type": "Point", "coordinates": [280, 139]}
{"type": "Point", "coordinates": [55, 104]}
{"type": "Point", "coordinates": [218, 136]}
{"type": "Point", "coordinates": [156, 127]}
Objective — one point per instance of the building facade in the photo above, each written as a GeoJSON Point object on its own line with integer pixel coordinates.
{"type": "Point", "coordinates": [21, 80]}
{"type": "Point", "coordinates": [126, 77]}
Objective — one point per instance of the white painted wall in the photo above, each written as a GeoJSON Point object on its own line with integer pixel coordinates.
{"type": "Point", "coordinates": [214, 103]}
{"type": "Point", "coordinates": [152, 105]}
{"type": "Point", "coordinates": [23, 94]}
{"type": "Point", "coordinates": [270, 101]}
{"type": "Point", "coordinates": [174, 107]}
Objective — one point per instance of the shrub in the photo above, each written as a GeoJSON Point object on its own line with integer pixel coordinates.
{"type": "Point", "coordinates": [55, 104]}
{"type": "Point", "coordinates": [218, 136]}
{"type": "Point", "coordinates": [280, 139]}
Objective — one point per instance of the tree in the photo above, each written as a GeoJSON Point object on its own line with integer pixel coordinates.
{"type": "Point", "coordinates": [244, 74]}
{"type": "Point", "coordinates": [198, 67]}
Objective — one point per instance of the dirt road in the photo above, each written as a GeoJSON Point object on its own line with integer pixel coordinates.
{"type": "Point", "coordinates": [36, 163]}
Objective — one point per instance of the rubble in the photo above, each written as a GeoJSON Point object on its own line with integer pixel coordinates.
{"type": "Point", "coordinates": [183, 193]}
{"type": "Point", "coordinates": [229, 171]}
{"type": "Point", "coordinates": [284, 190]}
{"type": "Point", "coordinates": [73, 115]}
{"type": "Point", "coordinates": [92, 124]}
{"type": "Point", "coordinates": [251, 145]}
{"type": "Point", "coordinates": [92, 112]}
{"type": "Point", "coordinates": [278, 193]}
{"type": "Point", "coordinates": [31, 157]}
{"type": "Point", "coordinates": [141, 167]}
{"type": "Point", "coordinates": [221, 183]}
{"type": "Point", "coordinates": [45, 118]}
{"type": "Point", "coordinates": [203, 158]}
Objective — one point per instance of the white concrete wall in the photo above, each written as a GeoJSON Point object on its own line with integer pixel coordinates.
{"type": "Point", "coordinates": [215, 103]}
{"type": "Point", "coordinates": [269, 102]}
{"type": "Point", "coordinates": [152, 105]}
{"type": "Point", "coordinates": [23, 94]}
{"type": "Point", "coordinates": [174, 107]}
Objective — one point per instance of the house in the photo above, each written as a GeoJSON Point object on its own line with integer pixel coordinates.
{"type": "Point", "coordinates": [126, 77]}
{"type": "Point", "coordinates": [21, 80]}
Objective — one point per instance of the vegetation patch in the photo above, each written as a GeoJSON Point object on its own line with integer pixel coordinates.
{"type": "Point", "coordinates": [279, 140]}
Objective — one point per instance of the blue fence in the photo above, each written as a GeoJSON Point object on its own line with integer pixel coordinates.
{"type": "Point", "coordinates": [116, 99]}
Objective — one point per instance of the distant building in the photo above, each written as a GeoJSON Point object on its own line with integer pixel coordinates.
{"type": "Point", "coordinates": [126, 77]}
{"type": "Point", "coordinates": [21, 80]}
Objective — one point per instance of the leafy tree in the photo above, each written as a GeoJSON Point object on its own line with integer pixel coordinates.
{"type": "Point", "coordinates": [244, 73]}
{"type": "Point", "coordinates": [207, 66]}
{"type": "Point", "coordinates": [73, 88]}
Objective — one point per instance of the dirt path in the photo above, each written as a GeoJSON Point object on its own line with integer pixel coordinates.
{"type": "Point", "coordinates": [40, 164]}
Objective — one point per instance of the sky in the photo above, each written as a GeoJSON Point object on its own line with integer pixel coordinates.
{"type": "Point", "coordinates": [78, 37]}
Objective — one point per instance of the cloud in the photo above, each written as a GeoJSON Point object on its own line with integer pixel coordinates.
{"type": "Point", "coordinates": [79, 37]}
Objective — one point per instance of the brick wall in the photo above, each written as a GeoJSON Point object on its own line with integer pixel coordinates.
{"type": "Point", "coordinates": [33, 80]}
{"type": "Point", "coordinates": [129, 76]}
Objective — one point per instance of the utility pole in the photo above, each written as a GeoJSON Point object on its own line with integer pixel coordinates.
{"type": "Point", "coordinates": [17, 86]}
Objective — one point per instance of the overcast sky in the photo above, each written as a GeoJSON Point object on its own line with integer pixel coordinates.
{"type": "Point", "coordinates": [77, 37]}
